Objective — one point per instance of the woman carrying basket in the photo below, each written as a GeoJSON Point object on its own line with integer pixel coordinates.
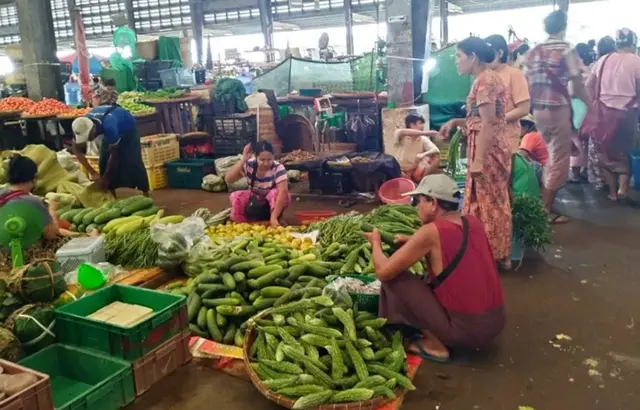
{"type": "Point", "coordinates": [459, 302]}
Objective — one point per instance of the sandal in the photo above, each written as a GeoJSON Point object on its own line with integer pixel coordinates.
{"type": "Point", "coordinates": [557, 219]}
{"type": "Point", "coordinates": [424, 355]}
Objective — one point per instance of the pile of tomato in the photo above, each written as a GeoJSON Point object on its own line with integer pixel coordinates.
{"type": "Point", "coordinates": [15, 104]}
{"type": "Point", "coordinates": [75, 113]}
{"type": "Point", "coordinates": [46, 108]}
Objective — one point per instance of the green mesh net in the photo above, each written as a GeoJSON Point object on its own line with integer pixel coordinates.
{"type": "Point", "coordinates": [359, 74]}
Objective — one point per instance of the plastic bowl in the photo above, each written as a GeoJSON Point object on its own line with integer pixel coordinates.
{"type": "Point", "coordinates": [391, 191]}
{"type": "Point", "coordinates": [309, 217]}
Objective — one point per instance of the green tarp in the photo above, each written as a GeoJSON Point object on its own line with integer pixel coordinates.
{"type": "Point", "coordinates": [169, 49]}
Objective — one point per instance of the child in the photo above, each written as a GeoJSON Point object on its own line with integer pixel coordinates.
{"type": "Point", "coordinates": [417, 155]}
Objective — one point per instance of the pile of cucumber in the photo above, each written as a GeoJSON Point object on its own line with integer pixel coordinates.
{"type": "Point", "coordinates": [316, 353]}
{"type": "Point", "coordinates": [86, 219]}
{"type": "Point", "coordinates": [229, 286]}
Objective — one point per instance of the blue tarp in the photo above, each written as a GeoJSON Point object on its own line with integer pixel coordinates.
{"type": "Point", "coordinates": [94, 65]}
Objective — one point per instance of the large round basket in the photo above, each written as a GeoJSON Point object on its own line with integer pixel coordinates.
{"type": "Point", "coordinates": [287, 402]}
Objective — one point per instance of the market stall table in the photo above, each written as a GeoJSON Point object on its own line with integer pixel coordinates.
{"type": "Point", "coordinates": [11, 131]}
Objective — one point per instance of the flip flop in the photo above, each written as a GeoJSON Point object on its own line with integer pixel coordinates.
{"type": "Point", "coordinates": [427, 356]}
{"type": "Point", "coordinates": [553, 219]}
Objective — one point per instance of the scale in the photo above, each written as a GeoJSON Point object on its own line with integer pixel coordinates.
{"type": "Point", "coordinates": [21, 226]}
{"type": "Point", "coordinates": [324, 132]}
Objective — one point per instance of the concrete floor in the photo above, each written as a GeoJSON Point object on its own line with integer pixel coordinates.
{"type": "Point", "coordinates": [584, 286]}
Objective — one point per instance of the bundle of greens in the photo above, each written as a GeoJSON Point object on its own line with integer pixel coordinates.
{"type": "Point", "coordinates": [132, 249]}
{"type": "Point", "coordinates": [530, 224]}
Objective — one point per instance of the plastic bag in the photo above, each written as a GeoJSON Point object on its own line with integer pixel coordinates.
{"type": "Point", "coordinates": [213, 183]}
{"type": "Point", "coordinates": [337, 293]}
{"type": "Point", "coordinates": [66, 161]}
{"type": "Point", "coordinates": [223, 165]}
{"type": "Point", "coordinates": [176, 240]}
{"type": "Point", "coordinates": [108, 270]}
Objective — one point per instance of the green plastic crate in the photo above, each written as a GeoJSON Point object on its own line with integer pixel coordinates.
{"type": "Point", "coordinates": [367, 302]}
{"type": "Point", "coordinates": [83, 379]}
{"type": "Point", "coordinates": [188, 173]}
{"type": "Point", "coordinates": [170, 318]}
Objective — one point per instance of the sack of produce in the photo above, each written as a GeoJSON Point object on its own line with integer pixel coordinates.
{"type": "Point", "coordinates": [239, 185]}
{"type": "Point", "coordinates": [213, 183]}
{"type": "Point", "coordinates": [66, 161]}
{"type": "Point", "coordinates": [9, 302]}
{"type": "Point", "coordinates": [10, 348]}
{"type": "Point", "coordinates": [50, 172]}
{"type": "Point", "coordinates": [223, 165]}
{"type": "Point", "coordinates": [34, 326]}
{"type": "Point", "coordinates": [40, 281]}
{"type": "Point", "coordinates": [175, 240]}
{"type": "Point", "coordinates": [294, 175]}
{"type": "Point", "coordinates": [211, 219]}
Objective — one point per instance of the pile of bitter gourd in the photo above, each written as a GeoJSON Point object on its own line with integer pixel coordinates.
{"type": "Point", "coordinates": [315, 352]}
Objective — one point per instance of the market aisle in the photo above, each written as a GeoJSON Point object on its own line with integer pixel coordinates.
{"type": "Point", "coordinates": [584, 287]}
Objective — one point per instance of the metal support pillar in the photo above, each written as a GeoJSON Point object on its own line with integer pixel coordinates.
{"type": "Point", "coordinates": [131, 20]}
{"type": "Point", "coordinates": [419, 32]}
{"type": "Point", "coordinates": [197, 26]}
{"type": "Point", "coordinates": [266, 23]}
{"type": "Point", "coordinates": [444, 23]}
{"type": "Point", "coordinates": [42, 68]}
{"type": "Point", "coordinates": [348, 23]}
{"type": "Point", "coordinates": [563, 5]}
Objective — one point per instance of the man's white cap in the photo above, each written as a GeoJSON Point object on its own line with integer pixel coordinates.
{"type": "Point", "coordinates": [437, 186]}
{"type": "Point", "coordinates": [82, 129]}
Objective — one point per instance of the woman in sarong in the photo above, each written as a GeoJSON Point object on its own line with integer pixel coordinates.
{"type": "Point", "coordinates": [488, 178]}
{"type": "Point", "coordinates": [615, 82]}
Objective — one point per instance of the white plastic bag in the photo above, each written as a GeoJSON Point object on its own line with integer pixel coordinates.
{"type": "Point", "coordinates": [176, 240]}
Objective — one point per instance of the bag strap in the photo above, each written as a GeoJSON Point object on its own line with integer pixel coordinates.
{"type": "Point", "coordinates": [449, 269]}
{"type": "Point", "coordinates": [9, 196]}
{"type": "Point", "coordinates": [599, 79]}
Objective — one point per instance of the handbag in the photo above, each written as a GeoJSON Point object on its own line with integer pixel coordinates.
{"type": "Point", "coordinates": [601, 122]}
{"type": "Point", "coordinates": [257, 208]}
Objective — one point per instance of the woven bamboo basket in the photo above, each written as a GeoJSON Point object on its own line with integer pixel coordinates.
{"type": "Point", "coordinates": [286, 402]}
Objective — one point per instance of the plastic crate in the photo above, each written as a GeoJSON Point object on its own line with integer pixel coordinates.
{"type": "Point", "coordinates": [235, 126]}
{"type": "Point", "coordinates": [81, 250]}
{"type": "Point", "coordinates": [368, 302]}
{"type": "Point", "coordinates": [83, 379]}
{"type": "Point", "coordinates": [162, 361]}
{"type": "Point", "coordinates": [170, 318]}
{"type": "Point", "coordinates": [157, 175]}
{"type": "Point", "coordinates": [188, 173]}
{"type": "Point", "coordinates": [159, 149]}
{"type": "Point", "coordinates": [177, 77]}
{"type": "Point", "coordinates": [35, 397]}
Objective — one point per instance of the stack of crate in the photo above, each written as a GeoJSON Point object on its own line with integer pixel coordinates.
{"type": "Point", "coordinates": [99, 365]}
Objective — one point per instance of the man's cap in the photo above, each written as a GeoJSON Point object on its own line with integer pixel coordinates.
{"type": "Point", "coordinates": [528, 118]}
{"type": "Point", "coordinates": [437, 186]}
{"type": "Point", "coordinates": [82, 129]}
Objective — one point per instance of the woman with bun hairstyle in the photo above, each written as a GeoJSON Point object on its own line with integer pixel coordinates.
{"type": "Point", "coordinates": [488, 178]}
{"type": "Point", "coordinates": [517, 89]}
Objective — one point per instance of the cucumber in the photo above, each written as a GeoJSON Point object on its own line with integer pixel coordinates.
{"type": "Point", "coordinates": [137, 205]}
{"type": "Point", "coordinates": [90, 216]}
{"type": "Point", "coordinates": [82, 228]}
{"type": "Point", "coordinates": [212, 325]}
{"type": "Point", "coordinates": [147, 212]}
{"type": "Point", "coordinates": [173, 219]}
{"type": "Point", "coordinates": [246, 266]}
{"type": "Point", "coordinates": [220, 302]}
{"type": "Point", "coordinates": [61, 211]}
{"type": "Point", "coordinates": [107, 216]}
{"type": "Point", "coordinates": [262, 303]}
{"type": "Point", "coordinates": [228, 281]}
{"type": "Point", "coordinates": [68, 216]}
{"type": "Point", "coordinates": [126, 201]}
{"type": "Point", "coordinates": [262, 270]}
{"type": "Point", "coordinates": [77, 219]}
{"type": "Point", "coordinates": [273, 291]}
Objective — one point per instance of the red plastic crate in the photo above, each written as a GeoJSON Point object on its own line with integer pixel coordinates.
{"type": "Point", "coordinates": [35, 397]}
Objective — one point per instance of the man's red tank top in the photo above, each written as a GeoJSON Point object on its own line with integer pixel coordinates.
{"type": "Point", "coordinates": [474, 286]}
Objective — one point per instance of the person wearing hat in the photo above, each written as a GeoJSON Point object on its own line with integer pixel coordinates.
{"type": "Point", "coordinates": [120, 162]}
{"type": "Point", "coordinates": [459, 302]}
{"type": "Point", "coordinates": [532, 145]}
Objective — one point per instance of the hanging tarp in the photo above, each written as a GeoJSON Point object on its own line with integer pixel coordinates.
{"type": "Point", "coordinates": [169, 49]}
{"type": "Point", "coordinates": [82, 57]}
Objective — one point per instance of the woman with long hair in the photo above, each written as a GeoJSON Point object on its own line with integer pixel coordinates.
{"type": "Point", "coordinates": [488, 178]}
{"type": "Point", "coordinates": [615, 83]}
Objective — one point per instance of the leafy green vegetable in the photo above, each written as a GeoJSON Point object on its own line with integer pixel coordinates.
{"type": "Point", "coordinates": [530, 222]}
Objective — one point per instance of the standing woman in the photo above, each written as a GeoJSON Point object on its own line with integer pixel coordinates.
{"type": "Point", "coordinates": [615, 85]}
{"type": "Point", "coordinates": [606, 45]}
{"type": "Point", "coordinates": [517, 89]}
{"type": "Point", "coordinates": [549, 68]}
{"type": "Point", "coordinates": [120, 162]}
{"type": "Point", "coordinates": [488, 178]}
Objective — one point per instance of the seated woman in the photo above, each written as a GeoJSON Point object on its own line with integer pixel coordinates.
{"type": "Point", "coordinates": [268, 193]}
{"type": "Point", "coordinates": [22, 175]}
{"type": "Point", "coordinates": [459, 302]}
{"type": "Point", "coordinates": [417, 155]}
